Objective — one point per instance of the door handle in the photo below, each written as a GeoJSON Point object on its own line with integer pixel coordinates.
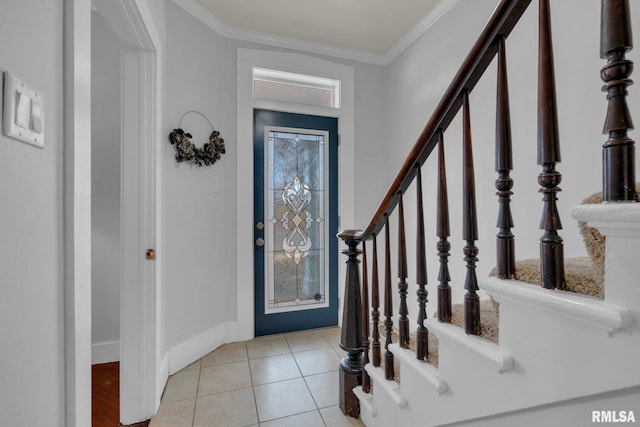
{"type": "Point", "coordinates": [259, 241]}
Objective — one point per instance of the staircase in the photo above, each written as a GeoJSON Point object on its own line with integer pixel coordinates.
{"type": "Point", "coordinates": [555, 347]}
{"type": "Point", "coordinates": [561, 358]}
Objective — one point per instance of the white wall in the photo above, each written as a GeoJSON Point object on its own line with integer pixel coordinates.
{"type": "Point", "coordinates": [106, 84]}
{"type": "Point", "coordinates": [198, 202]}
{"type": "Point", "coordinates": [418, 77]}
{"type": "Point", "coordinates": [372, 144]}
{"type": "Point", "coordinates": [31, 307]}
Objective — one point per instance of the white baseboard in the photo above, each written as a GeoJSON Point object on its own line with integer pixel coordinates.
{"type": "Point", "coordinates": [105, 352]}
{"type": "Point", "coordinates": [231, 331]}
{"type": "Point", "coordinates": [163, 377]}
{"type": "Point", "coordinates": [189, 351]}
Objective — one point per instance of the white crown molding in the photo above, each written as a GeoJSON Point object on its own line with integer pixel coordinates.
{"type": "Point", "coordinates": [301, 45]}
{"type": "Point", "coordinates": [438, 12]}
{"type": "Point", "coordinates": [253, 36]}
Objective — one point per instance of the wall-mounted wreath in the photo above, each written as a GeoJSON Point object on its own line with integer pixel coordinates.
{"type": "Point", "coordinates": [186, 151]}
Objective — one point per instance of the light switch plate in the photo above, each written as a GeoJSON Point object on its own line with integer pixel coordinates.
{"type": "Point", "coordinates": [23, 117]}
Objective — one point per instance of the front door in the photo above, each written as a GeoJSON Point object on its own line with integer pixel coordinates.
{"type": "Point", "coordinates": [296, 221]}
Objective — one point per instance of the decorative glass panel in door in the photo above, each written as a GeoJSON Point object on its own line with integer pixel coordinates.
{"type": "Point", "coordinates": [295, 231]}
{"type": "Point", "coordinates": [298, 217]}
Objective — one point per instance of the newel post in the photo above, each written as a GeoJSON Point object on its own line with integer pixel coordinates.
{"type": "Point", "coordinates": [351, 336]}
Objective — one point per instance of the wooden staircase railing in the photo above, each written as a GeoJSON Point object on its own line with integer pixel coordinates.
{"type": "Point", "coordinates": [618, 186]}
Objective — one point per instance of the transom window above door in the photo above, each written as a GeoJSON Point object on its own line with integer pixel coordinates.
{"type": "Point", "coordinates": [277, 85]}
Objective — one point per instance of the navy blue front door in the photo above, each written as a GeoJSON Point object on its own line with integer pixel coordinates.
{"type": "Point", "coordinates": [295, 221]}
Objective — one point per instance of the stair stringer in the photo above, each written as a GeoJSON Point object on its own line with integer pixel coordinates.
{"type": "Point", "coordinates": [554, 347]}
{"type": "Point", "coordinates": [577, 412]}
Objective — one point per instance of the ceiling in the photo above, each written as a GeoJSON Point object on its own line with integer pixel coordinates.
{"type": "Point", "coordinates": [373, 26]}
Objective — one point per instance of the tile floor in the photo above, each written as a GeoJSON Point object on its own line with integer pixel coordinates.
{"type": "Point", "coordinates": [273, 381]}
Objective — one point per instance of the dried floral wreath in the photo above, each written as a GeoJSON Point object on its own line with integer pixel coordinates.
{"type": "Point", "coordinates": [186, 151]}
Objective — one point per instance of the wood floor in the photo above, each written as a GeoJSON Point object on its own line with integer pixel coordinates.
{"type": "Point", "coordinates": [105, 396]}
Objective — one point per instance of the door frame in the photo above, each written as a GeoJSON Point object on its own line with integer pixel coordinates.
{"type": "Point", "coordinates": [142, 377]}
{"type": "Point", "coordinates": [246, 103]}
{"type": "Point", "coordinates": [76, 167]}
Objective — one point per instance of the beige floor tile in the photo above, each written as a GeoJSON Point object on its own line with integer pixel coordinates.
{"type": "Point", "coordinates": [227, 353]}
{"type": "Point", "coordinates": [220, 378]}
{"type": "Point", "coordinates": [282, 399]}
{"type": "Point", "coordinates": [194, 365]}
{"type": "Point", "coordinates": [317, 361]}
{"type": "Point", "coordinates": [306, 340]}
{"type": "Point", "coordinates": [229, 409]}
{"type": "Point", "coordinates": [332, 335]}
{"type": "Point", "coordinates": [324, 388]}
{"type": "Point", "coordinates": [340, 352]}
{"type": "Point", "coordinates": [308, 419]}
{"type": "Point", "coordinates": [271, 345]}
{"type": "Point", "coordinates": [176, 414]}
{"type": "Point", "coordinates": [333, 417]}
{"type": "Point", "coordinates": [181, 385]}
{"type": "Point", "coordinates": [274, 368]}
{"type": "Point", "coordinates": [225, 376]}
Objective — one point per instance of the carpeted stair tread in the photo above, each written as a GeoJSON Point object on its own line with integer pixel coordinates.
{"type": "Point", "coordinates": [488, 318]}
{"type": "Point", "coordinates": [488, 330]}
{"type": "Point", "coordinates": [581, 275]}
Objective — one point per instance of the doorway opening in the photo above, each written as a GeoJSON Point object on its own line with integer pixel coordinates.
{"type": "Point", "coordinates": [106, 83]}
{"type": "Point", "coordinates": [124, 179]}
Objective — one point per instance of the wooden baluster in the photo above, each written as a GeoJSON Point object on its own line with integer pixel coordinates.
{"type": "Point", "coordinates": [618, 153]}
{"type": "Point", "coordinates": [350, 373]}
{"type": "Point", "coordinates": [505, 244]}
{"type": "Point", "coordinates": [470, 226]}
{"type": "Point", "coordinates": [388, 305]}
{"type": "Point", "coordinates": [444, 290]}
{"type": "Point", "coordinates": [422, 334]}
{"type": "Point", "coordinates": [375, 307]}
{"type": "Point", "coordinates": [551, 245]}
{"type": "Point", "coordinates": [366, 381]}
{"type": "Point", "coordinates": [403, 320]}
